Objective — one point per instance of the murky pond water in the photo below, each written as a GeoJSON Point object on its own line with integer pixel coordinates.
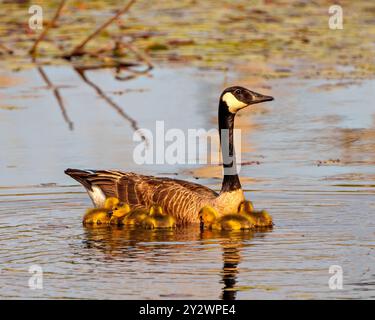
{"type": "Point", "coordinates": [316, 151]}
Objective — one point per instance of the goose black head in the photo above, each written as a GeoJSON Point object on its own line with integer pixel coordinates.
{"type": "Point", "coordinates": [236, 98]}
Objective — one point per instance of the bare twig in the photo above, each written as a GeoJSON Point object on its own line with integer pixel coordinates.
{"type": "Point", "coordinates": [132, 73]}
{"type": "Point", "coordinates": [78, 50]}
{"type": "Point", "coordinates": [100, 92]}
{"type": "Point", "coordinates": [119, 64]}
{"type": "Point", "coordinates": [98, 52]}
{"type": "Point", "coordinates": [57, 95]}
{"type": "Point", "coordinates": [6, 49]}
{"type": "Point", "coordinates": [109, 65]}
{"type": "Point", "coordinates": [142, 55]}
{"type": "Point", "coordinates": [45, 31]}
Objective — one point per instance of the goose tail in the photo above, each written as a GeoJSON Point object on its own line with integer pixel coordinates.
{"type": "Point", "coordinates": [81, 176]}
{"type": "Point", "coordinates": [99, 184]}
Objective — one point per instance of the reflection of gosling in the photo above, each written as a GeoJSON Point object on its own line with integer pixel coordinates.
{"type": "Point", "coordinates": [209, 220]}
{"type": "Point", "coordinates": [259, 218]}
{"type": "Point", "coordinates": [157, 219]}
{"type": "Point", "coordinates": [134, 218]}
{"type": "Point", "coordinates": [97, 216]}
{"type": "Point", "coordinates": [119, 213]}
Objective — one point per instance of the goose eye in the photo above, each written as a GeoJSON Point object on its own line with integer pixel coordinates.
{"type": "Point", "coordinates": [238, 91]}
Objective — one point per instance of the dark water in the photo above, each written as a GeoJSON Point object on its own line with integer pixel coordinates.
{"type": "Point", "coordinates": [323, 208]}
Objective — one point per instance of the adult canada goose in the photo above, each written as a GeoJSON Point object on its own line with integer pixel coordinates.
{"type": "Point", "coordinates": [179, 198]}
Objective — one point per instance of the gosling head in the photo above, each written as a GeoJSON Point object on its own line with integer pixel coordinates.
{"type": "Point", "coordinates": [246, 206]}
{"type": "Point", "coordinates": [207, 215]}
{"type": "Point", "coordinates": [120, 211]}
{"type": "Point", "coordinates": [156, 210]}
{"type": "Point", "coordinates": [236, 98]}
{"type": "Point", "coordinates": [111, 203]}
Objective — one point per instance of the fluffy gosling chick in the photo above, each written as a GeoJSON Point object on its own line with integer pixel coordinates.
{"type": "Point", "coordinates": [207, 216]}
{"type": "Point", "coordinates": [96, 216]}
{"type": "Point", "coordinates": [101, 215]}
{"type": "Point", "coordinates": [111, 203]}
{"type": "Point", "coordinates": [259, 218]}
{"type": "Point", "coordinates": [245, 207]}
{"type": "Point", "coordinates": [232, 221]}
{"type": "Point", "coordinates": [135, 217]}
{"type": "Point", "coordinates": [119, 213]}
{"type": "Point", "coordinates": [210, 220]}
{"type": "Point", "coordinates": [157, 219]}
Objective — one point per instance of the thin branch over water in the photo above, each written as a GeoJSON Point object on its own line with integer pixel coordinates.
{"type": "Point", "coordinates": [78, 50]}
{"type": "Point", "coordinates": [46, 29]}
{"type": "Point", "coordinates": [100, 92]}
{"type": "Point", "coordinates": [6, 49]}
{"type": "Point", "coordinates": [57, 95]}
{"type": "Point", "coordinates": [142, 55]}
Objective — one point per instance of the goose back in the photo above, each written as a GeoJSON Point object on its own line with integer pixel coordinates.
{"type": "Point", "coordinates": [178, 198]}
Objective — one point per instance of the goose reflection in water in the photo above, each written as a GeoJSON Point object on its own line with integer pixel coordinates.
{"type": "Point", "coordinates": [232, 244]}
{"type": "Point", "coordinates": [231, 259]}
{"type": "Point", "coordinates": [165, 246]}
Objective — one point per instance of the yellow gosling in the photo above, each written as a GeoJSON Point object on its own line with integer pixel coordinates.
{"type": "Point", "coordinates": [207, 217]}
{"type": "Point", "coordinates": [135, 217]}
{"type": "Point", "coordinates": [210, 219]}
{"type": "Point", "coordinates": [157, 219]}
{"type": "Point", "coordinates": [111, 203]}
{"type": "Point", "coordinates": [245, 207]}
{"type": "Point", "coordinates": [119, 213]}
{"type": "Point", "coordinates": [96, 216]}
{"type": "Point", "coordinates": [232, 221]}
{"type": "Point", "coordinates": [101, 215]}
{"type": "Point", "coordinates": [259, 218]}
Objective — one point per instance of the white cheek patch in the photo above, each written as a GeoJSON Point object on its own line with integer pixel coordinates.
{"type": "Point", "coordinates": [233, 103]}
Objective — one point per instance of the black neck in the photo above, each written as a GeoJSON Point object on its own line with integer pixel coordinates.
{"type": "Point", "coordinates": [231, 181]}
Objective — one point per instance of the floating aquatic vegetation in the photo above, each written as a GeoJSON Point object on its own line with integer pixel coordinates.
{"type": "Point", "coordinates": [9, 108]}
{"type": "Point", "coordinates": [233, 35]}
